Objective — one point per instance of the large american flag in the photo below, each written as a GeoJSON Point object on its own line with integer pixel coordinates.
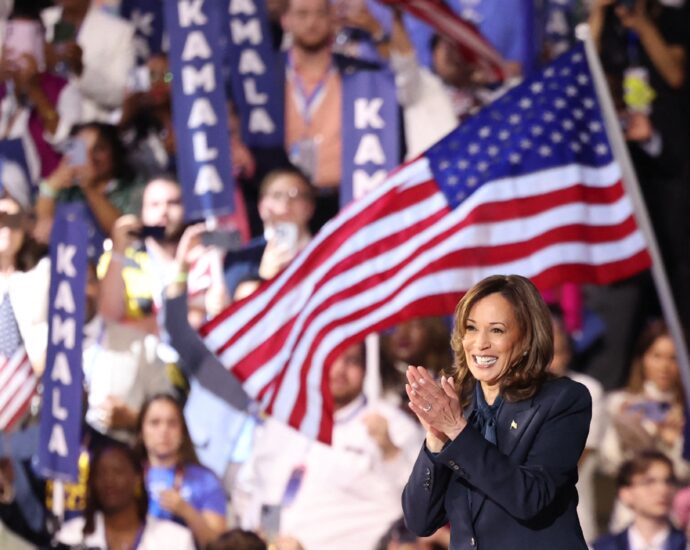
{"type": "Point", "coordinates": [528, 186]}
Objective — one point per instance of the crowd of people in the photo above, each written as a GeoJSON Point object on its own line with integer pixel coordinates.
{"type": "Point", "coordinates": [175, 454]}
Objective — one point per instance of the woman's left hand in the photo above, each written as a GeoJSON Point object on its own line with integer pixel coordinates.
{"type": "Point", "coordinates": [437, 405]}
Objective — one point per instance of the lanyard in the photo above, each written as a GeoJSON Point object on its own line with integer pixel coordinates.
{"type": "Point", "coordinates": [307, 103]}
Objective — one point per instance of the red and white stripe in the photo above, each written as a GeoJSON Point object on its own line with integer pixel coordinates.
{"type": "Point", "coordinates": [17, 387]}
{"type": "Point", "coordinates": [474, 47]}
{"type": "Point", "coordinates": [401, 252]}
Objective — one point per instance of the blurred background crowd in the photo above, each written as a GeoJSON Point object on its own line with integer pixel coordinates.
{"type": "Point", "coordinates": [169, 435]}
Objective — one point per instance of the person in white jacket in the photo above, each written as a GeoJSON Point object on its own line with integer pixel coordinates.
{"type": "Point", "coordinates": [97, 49]}
{"type": "Point", "coordinates": [341, 496]}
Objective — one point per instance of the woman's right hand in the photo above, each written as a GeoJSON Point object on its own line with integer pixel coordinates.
{"type": "Point", "coordinates": [435, 439]}
{"type": "Point", "coordinates": [62, 177]}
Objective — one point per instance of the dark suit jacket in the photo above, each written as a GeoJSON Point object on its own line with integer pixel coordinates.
{"type": "Point", "coordinates": [524, 487]}
{"type": "Point", "coordinates": [620, 541]}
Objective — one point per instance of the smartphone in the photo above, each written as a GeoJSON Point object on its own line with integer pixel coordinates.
{"type": "Point", "coordinates": [24, 37]}
{"type": "Point", "coordinates": [76, 152]}
{"type": "Point", "coordinates": [64, 31]}
{"type": "Point", "coordinates": [270, 521]}
{"type": "Point", "coordinates": [285, 234]}
{"type": "Point", "coordinates": [656, 411]}
{"type": "Point", "coordinates": [227, 240]}
{"type": "Point", "coordinates": [156, 232]}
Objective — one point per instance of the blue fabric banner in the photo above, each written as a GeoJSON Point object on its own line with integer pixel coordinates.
{"type": "Point", "coordinates": [200, 114]}
{"type": "Point", "coordinates": [371, 130]}
{"type": "Point", "coordinates": [257, 74]}
{"type": "Point", "coordinates": [147, 18]}
{"type": "Point", "coordinates": [12, 151]}
{"type": "Point", "coordinates": [61, 412]}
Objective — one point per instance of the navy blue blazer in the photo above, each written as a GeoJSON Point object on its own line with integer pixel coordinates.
{"type": "Point", "coordinates": [524, 493]}
{"type": "Point", "coordinates": [677, 541]}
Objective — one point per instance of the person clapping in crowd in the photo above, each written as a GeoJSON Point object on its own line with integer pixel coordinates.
{"type": "Point", "coordinates": [116, 509]}
{"type": "Point", "coordinates": [179, 487]}
{"type": "Point", "coordinates": [503, 438]}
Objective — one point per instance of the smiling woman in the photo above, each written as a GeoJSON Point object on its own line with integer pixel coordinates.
{"type": "Point", "coordinates": [503, 438]}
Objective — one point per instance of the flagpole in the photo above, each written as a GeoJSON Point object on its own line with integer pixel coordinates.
{"type": "Point", "coordinates": [632, 186]}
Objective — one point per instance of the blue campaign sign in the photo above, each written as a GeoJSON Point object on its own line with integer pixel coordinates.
{"type": "Point", "coordinates": [371, 130]}
{"type": "Point", "coordinates": [257, 74]}
{"type": "Point", "coordinates": [200, 114]}
{"type": "Point", "coordinates": [147, 18]}
{"type": "Point", "coordinates": [61, 413]}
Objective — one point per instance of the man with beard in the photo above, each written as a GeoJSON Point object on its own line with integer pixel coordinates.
{"type": "Point", "coordinates": [339, 496]}
{"type": "Point", "coordinates": [313, 101]}
{"type": "Point", "coordinates": [138, 266]}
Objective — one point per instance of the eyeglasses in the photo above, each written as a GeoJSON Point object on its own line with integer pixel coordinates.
{"type": "Point", "coordinates": [288, 195]}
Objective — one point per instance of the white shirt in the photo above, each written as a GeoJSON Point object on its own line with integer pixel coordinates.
{"type": "Point", "coordinates": [637, 542]}
{"type": "Point", "coordinates": [107, 43]}
{"type": "Point", "coordinates": [157, 534]}
{"type": "Point", "coordinates": [348, 496]}
{"type": "Point", "coordinates": [121, 362]}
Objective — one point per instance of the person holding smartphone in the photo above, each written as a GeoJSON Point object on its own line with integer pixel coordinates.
{"type": "Point", "coordinates": [649, 413]}
{"type": "Point", "coordinates": [286, 206]}
{"type": "Point", "coordinates": [94, 47]}
{"type": "Point", "coordinates": [94, 169]}
{"type": "Point", "coordinates": [33, 102]}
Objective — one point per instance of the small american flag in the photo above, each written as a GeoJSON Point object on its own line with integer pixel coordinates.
{"type": "Point", "coordinates": [17, 387]}
{"type": "Point", "coordinates": [528, 186]}
{"type": "Point", "coordinates": [473, 46]}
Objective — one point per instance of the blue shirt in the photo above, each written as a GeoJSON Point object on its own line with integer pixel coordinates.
{"type": "Point", "coordinates": [200, 488]}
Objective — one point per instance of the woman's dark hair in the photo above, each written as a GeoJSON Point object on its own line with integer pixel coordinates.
{"type": "Point", "coordinates": [186, 454]}
{"type": "Point", "coordinates": [640, 464]}
{"type": "Point", "coordinates": [93, 504]}
{"type": "Point", "coordinates": [524, 378]}
{"type": "Point", "coordinates": [30, 252]}
{"type": "Point", "coordinates": [121, 168]}
{"type": "Point", "coordinates": [29, 9]}
{"type": "Point", "coordinates": [237, 539]}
